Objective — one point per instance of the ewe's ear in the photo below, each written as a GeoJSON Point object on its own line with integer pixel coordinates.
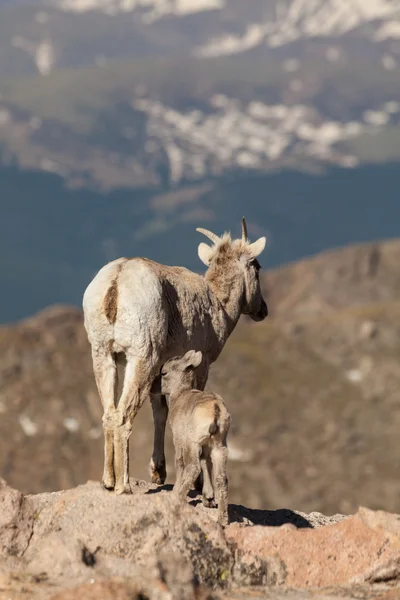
{"type": "Point", "coordinates": [257, 247]}
{"type": "Point", "coordinates": [205, 253]}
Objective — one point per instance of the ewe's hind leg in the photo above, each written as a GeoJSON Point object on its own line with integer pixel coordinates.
{"type": "Point", "coordinates": [136, 388]}
{"type": "Point", "coordinates": [206, 469]}
{"type": "Point", "coordinates": [157, 463]}
{"type": "Point", "coordinates": [219, 457]}
{"type": "Point", "coordinates": [105, 373]}
{"type": "Point", "coordinates": [191, 471]}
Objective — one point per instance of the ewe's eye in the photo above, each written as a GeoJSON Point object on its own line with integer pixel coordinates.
{"type": "Point", "coordinates": [163, 373]}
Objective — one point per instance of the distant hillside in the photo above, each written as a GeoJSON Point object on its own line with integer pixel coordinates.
{"type": "Point", "coordinates": [168, 120]}
{"type": "Point", "coordinates": [313, 392]}
{"type": "Point", "coordinates": [362, 275]}
{"type": "Point", "coordinates": [54, 239]}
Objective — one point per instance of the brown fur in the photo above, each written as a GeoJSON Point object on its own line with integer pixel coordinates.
{"type": "Point", "coordinates": [193, 413]}
{"type": "Point", "coordinates": [220, 273]}
{"type": "Point", "coordinates": [111, 302]}
{"type": "Point", "coordinates": [111, 299]}
{"type": "Point", "coordinates": [214, 426]}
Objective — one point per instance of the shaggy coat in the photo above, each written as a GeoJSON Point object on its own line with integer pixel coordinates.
{"type": "Point", "coordinates": [139, 313]}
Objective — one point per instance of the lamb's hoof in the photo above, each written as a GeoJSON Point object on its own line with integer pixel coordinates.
{"type": "Point", "coordinates": [209, 502]}
{"type": "Point", "coordinates": [123, 489]}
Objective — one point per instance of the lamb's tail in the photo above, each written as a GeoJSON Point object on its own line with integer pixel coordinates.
{"type": "Point", "coordinates": [214, 427]}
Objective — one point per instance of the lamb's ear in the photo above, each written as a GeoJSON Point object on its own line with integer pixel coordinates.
{"type": "Point", "coordinates": [257, 247]}
{"type": "Point", "coordinates": [193, 358]}
{"type": "Point", "coordinates": [198, 357]}
{"type": "Point", "coordinates": [205, 253]}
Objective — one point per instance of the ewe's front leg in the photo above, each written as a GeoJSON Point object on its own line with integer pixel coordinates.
{"type": "Point", "coordinates": [135, 390]}
{"type": "Point", "coordinates": [160, 415]}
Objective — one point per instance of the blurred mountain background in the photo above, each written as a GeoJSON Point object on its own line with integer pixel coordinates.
{"type": "Point", "coordinates": [124, 125]}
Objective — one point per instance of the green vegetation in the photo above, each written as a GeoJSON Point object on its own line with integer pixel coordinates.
{"type": "Point", "coordinates": [76, 96]}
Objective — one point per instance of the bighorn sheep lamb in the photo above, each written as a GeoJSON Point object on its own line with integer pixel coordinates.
{"type": "Point", "coordinates": [200, 424]}
{"type": "Point", "coordinates": [139, 313]}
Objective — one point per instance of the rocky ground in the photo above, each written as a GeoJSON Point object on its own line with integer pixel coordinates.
{"type": "Point", "coordinates": [87, 543]}
{"type": "Point", "coordinates": [314, 398]}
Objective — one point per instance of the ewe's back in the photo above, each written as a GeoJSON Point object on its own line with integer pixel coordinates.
{"type": "Point", "coordinates": [138, 305]}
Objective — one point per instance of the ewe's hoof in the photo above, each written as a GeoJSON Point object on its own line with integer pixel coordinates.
{"type": "Point", "coordinates": [158, 474]}
{"type": "Point", "coordinates": [157, 478]}
{"type": "Point", "coordinates": [108, 485]}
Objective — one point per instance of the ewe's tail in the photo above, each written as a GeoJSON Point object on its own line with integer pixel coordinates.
{"type": "Point", "coordinates": [214, 427]}
{"type": "Point", "coordinates": [120, 363]}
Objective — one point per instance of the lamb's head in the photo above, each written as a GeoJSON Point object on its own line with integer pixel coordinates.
{"type": "Point", "coordinates": [236, 260]}
{"type": "Point", "coordinates": [179, 373]}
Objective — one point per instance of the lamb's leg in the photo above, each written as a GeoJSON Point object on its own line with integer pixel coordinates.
{"type": "Point", "coordinates": [136, 388]}
{"type": "Point", "coordinates": [206, 469]}
{"type": "Point", "coordinates": [105, 373]}
{"type": "Point", "coordinates": [191, 471]}
{"type": "Point", "coordinates": [219, 457]}
{"type": "Point", "coordinates": [179, 468]}
{"type": "Point", "coordinates": [157, 463]}
{"type": "Point", "coordinates": [201, 381]}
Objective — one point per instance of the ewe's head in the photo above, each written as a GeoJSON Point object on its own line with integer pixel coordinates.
{"type": "Point", "coordinates": [179, 373]}
{"type": "Point", "coordinates": [237, 259]}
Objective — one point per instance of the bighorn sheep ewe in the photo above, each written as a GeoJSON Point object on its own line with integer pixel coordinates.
{"type": "Point", "coordinates": [200, 424]}
{"type": "Point", "coordinates": [138, 314]}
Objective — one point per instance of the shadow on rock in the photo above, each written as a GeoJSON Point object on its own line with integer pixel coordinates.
{"type": "Point", "coordinates": [268, 518]}
{"type": "Point", "coordinates": [161, 488]}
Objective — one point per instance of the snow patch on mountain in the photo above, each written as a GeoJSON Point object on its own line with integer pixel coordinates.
{"type": "Point", "coordinates": [299, 19]}
{"type": "Point", "coordinates": [312, 18]}
{"type": "Point", "coordinates": [233, 44]}
{"type": "Point", "coordinates": [287, 21]}
{"type": "Point", "coordinates": [42, 53]}
{"type": "Point", "coordinates": [249, 136]}
{"type": "Point", "coordinates": [153, 9]}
